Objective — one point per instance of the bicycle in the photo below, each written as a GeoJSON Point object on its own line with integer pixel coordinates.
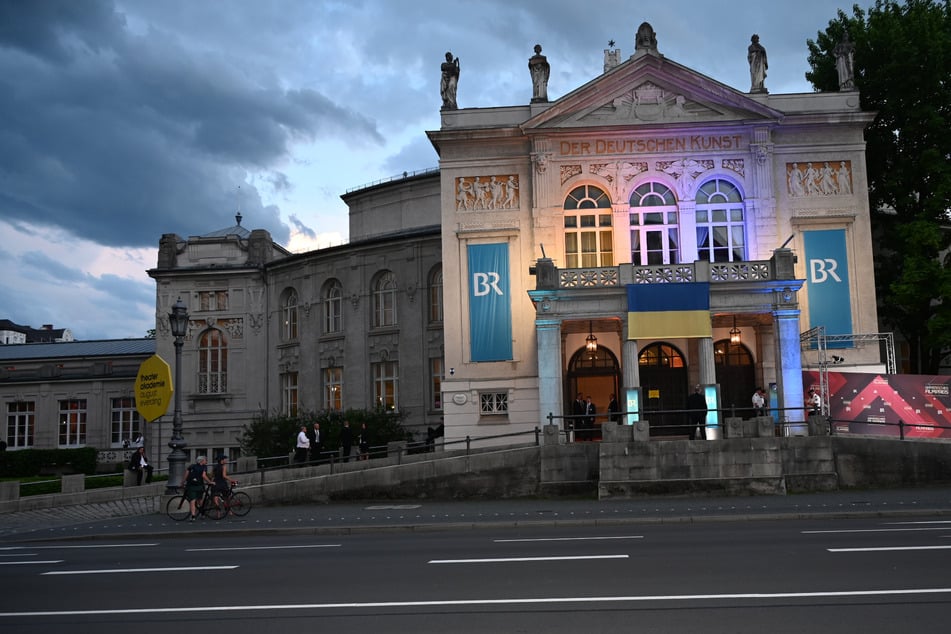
{"type": "Point", "coordinates": [233, 502]}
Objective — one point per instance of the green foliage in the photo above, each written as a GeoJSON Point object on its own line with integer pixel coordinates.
{"type": "Point", "coordinates": [902, 57]}
{"type": "Point", "coordinates": [276, 435]}
{"type": "Point", "coordinates": [31, 462]}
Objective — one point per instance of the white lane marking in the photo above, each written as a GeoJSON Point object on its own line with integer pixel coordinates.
{"type": "Point", "coordinates": [920, 522]}
{"type": "Point", "coordinates": [204, 550]}
{"type": "Point", "coordinates": [82, 546]}
{"type": "Point", "coordinates": [885, 548]}
{"type": "Point", "coordinates": [506, 559]}
{"type": "Point", "coordinates": [563, 539]}
{"type": "Point", "coordinates": [47, 561]}
{"type": "Point", "coordinates": [392, 507]}
{"type": "Point", "coordinates": [122, 570]}
{"type": "Point", "coordinates": [18, 555]}
{"type": "Point", "coordinates": [874, 530]}
{"type": "Point", "coordinates": [488, 602]}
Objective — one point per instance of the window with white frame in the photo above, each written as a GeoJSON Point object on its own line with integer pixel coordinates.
{"type": "Point", "coordinates": [384, 300]}
{"type": "Point", "coordinates": [721, 228]}
{"type": "Point", "coordinates": [655, 234]}
{"type": "Point", "coordinates": [72, 422]}
{"type": "Point", "coordinates": [212, 362]}
{"type": "Point", "coordinates": [289, 315]}
{"type": "Point", "coordinates": [435, 296]}
{"type": "Point", "coordinates": [289, 393]}
{"type": "Point", "coordinates": [21, 421]}
{"type": "Point", "coordinates": [125, 420]}
{"type": "Point", "coordinates": [333, 389]}
{"type": "Point", "coordinates": [385, 385]}
{"type": "Point", "coordinates": [333, 307]}
{"type": "Point", "coordinates": [436, 366]}
{"type": "Point", "coordinates": [589, 236]}
{"type": "Point", "coordinates": [493, 403]}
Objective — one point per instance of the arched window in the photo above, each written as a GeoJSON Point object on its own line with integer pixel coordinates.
{"type": "Point", "coordinates": [289, 315]}
{"type": "Point", "coordinates": [333, 307]}
{"type": "Point", "coordinates": [721, 230]}
{"type": "Point", "coordinates": [384, 300]}
{"type": "Point", "coordinates": [212, 362]}
{"type": "Point", "coordinates": [655, 237]}
{"type": "Point", "coordinates": [435, 295]}
{"type": "Point", "coordinates": [589, 237]}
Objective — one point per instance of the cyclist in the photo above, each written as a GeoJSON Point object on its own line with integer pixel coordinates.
{"type": "Point", "coordinates": [196, 476]}
{"type": "Point", "coordinates": [222, 482]}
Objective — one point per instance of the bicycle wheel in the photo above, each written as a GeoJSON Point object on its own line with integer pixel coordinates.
{"type": "Point", "coordinates": [178, 508]}
{"type": "Point", "coordinates": [213, 511]}
{"type": "Point", "coordinates": [240, 503]}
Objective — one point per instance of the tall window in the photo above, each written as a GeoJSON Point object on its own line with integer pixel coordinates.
{"type": "Point", "coordinates": [21, 421]}
{"type": "Point", "coordinates": [333, 307]}
{"type": "Point", "coordinates": [289, 315]}
{"type": "Point", "coordinates": [384, 300]}
{"type": "Point", "coordinates": [125, 420]}
{"type": "Point", "coordinates": [655, 237]}
{"type": "Point", "coordinates": [289, 393]}
{"type": "Point", "coordinates": [213, 300]}
{"type": "Point", "coordinates": [589, 238]}
{"type": "Point", "coordinates": [72, 422]}
{"type": "Point", "coordinates": [333, 389]}
{"type": "Point", "coordinates": [721, 230]}
{"type": "Point", "coordinates": [435, 296]}
{"type": "Point", "coordinates": [385, 384]}
{"type": "Point", "coordinates": [212, 363]}
{"type": "Point", "coordinates": [435, 381]}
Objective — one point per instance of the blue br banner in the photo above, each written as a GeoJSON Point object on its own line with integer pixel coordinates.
{"type": "Point", "coordinates": [827, 270]}
{"type": "Point", "coordinates": [490, 311]}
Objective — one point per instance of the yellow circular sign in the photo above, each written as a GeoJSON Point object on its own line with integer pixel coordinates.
{"type": "Point", "coordinates": [153, 388]}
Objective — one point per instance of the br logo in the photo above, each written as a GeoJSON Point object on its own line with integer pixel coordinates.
{"type": "Point", "coordinates": [485, 283]}
{"type": "Point", "coordinates": [822, 269]}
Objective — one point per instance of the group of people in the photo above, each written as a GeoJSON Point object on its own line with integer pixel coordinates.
{"type": "Point", "coordinates": [196, 477]}
{"type": "Point", "coordinates": [310, 443]}
{"type": "Point", "coordinates": [583, 412]}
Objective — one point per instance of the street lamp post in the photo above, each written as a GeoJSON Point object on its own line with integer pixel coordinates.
{"type": "Point", "coordinates": [178, 320]}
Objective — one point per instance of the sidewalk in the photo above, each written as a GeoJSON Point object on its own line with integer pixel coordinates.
{"type": "Point", "coordinates": [126, 520]}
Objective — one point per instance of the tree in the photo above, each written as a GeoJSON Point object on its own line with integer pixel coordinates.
{"type": "Point", "coordinates": [902, 57]}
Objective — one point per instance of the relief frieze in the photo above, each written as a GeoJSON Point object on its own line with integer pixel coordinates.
{"type": "Point", "coordinates": [487, 193]}
{"type": "Point", "coordinates": [825, 178]}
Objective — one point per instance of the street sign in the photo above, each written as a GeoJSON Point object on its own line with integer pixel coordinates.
{"type": "Point", "coordinates": [153, 388]}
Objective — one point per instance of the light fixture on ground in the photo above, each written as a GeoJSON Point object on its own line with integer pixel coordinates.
{"type": "Point", "coordinates": [734, 333]}
{"type": "Point", "coordinates": [178, 322]}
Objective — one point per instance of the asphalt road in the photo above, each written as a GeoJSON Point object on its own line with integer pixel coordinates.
{"type": "Point", "coordinates": [821, 574]}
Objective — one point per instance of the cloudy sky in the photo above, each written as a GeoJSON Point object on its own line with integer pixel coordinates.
{"type": "Point", "coordinates": [121, 120]}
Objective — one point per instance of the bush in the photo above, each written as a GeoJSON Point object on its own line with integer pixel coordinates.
{"type": "Point", "coordinates": [32, 462]}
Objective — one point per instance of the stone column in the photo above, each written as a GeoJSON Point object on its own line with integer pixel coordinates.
{"type": "Point", "coordinates": [550, 399]}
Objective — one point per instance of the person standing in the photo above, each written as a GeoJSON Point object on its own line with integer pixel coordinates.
{"type": "Point", "coordinates": [315, 443]}
{"type": "Point", "coordinates": [222, 482]}
{"type": "Point", "coordinates": [139, 463]}
{"type": "Point", "coordinates": [589, 411]}
{"type": "Point", "coordinates": [303, 445]}
{"type": "Point", "coordinates": [363, 442]}
{"type": "Point", "coordinates": [813, 402]}
{"type": "Point", "coordinates": [196, 477]}
{"type": "Point", "coordinates": [578, 409]}
{"type": "Point", "coordinates": [759, 402]}
{"type": "Point", "coordinates": [697, 414]}
{"type": "Point", "coordinates": [346, 440]}
{"type": "Point", "coordinates": [614, 410]}
{"type": "Point", "coordinates": [756, 56]}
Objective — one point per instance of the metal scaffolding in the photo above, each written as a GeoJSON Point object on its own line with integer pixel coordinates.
{"type": "Point", "coordinates": [817, 339]}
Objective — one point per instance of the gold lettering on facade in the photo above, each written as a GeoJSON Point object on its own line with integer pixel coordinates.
{"type": "Point", "coordinates": [650, 145]}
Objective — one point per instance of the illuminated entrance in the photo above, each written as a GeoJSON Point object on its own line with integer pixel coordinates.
{"type": "Point", "coordinates": [663, 376]}
{"type": "Point", "coordinates": [596, 375]}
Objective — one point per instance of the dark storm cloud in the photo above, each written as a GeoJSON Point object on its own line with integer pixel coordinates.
{"type": "Point", "coordinates": [119, 136]}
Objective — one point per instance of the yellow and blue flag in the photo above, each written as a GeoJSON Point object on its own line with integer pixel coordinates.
{"type": "Point", "coordinates": [668, 311]}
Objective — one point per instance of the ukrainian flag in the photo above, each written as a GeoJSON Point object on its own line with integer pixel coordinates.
{"type": "Point", "coordinates": [668, 311]}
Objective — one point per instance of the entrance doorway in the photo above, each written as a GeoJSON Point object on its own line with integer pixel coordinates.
{"type": "Point", "coordinates": [736, 376]}
{"type": "Point", "coordinates": [596, 375]}
{"type": "Point", "coordinates": [663, 376]}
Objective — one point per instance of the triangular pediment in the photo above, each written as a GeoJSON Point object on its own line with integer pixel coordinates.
{"type": "Point", "coordinates": [649, 89]}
